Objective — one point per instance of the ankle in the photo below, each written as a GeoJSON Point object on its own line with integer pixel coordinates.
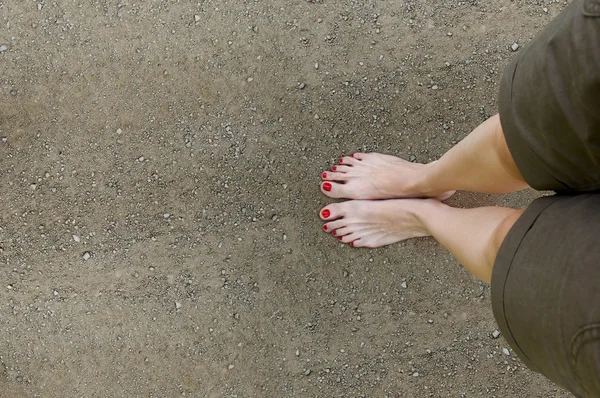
{"type": "Point", "coordinates": [426, 181]}
{"type": "Point", "coordinates": [425, 210]}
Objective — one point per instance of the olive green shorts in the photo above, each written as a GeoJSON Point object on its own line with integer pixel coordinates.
{"type": "Point", "coordinates": [546, 278]}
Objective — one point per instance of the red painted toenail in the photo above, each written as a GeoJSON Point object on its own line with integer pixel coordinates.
{"type": "Point", "coordinates": [325, 213]}
{"type": "Point", "coordinates": [340, 238]}
{"type": "Point", "coordinates": [324, 175]}
{"type": "Point", "coordinates": [327, 186]}
{"type": "Point", "coordinates": [334, 168]}
{"type": "Point", "coordinates": [333, 232]}
{"type": "Point", "coordinates": [341, 160]}
{"type": "Point", "coordinates": [352, 244]}
{"type": "Point", "coordinates": [324, 227]}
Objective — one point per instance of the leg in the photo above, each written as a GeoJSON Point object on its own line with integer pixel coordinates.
{"type": "Point", "coordinates": [473, 236]}
{"type": "Point", "coordinates": [481, 162]}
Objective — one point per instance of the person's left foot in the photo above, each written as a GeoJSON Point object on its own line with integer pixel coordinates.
{"type": "Point", "coordinates": [374, 223]}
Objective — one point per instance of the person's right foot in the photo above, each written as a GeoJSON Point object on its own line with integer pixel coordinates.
{"type": "Point", "coordinates": [375, 176]}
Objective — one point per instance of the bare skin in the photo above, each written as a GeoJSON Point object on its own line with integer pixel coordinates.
{"type": "Point", "coordinates": [365, 223]}
{"type": "Point", "coordinates": [374, 176]}
{"type": "Point", "coordinates": [481, 162]}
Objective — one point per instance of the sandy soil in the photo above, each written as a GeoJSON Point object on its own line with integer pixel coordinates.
{"type": "Point", "coordinates": [179, 144]}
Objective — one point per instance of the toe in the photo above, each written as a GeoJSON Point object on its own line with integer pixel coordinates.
{"type": "Point", "coordinates": [334, 189]}
{"type": "Point", "coordinates": [341, 168]}
{"type": "Point", "coordinates": [357, 243]}
{"type": "Point", "coordinates": [330, 213]}
{"type": "Point", "coordinates": [334, 225]}
{"type": "Point", "coordinates": [348, 238]}
{"type": "Point", "coordinates": [348, 161]}
{"type": "Point", "coordinates": [359, 155]}
{"type": "Point", "coordinates": [333, 176]}
{"type": "Point", "coordinates": [343, 230]}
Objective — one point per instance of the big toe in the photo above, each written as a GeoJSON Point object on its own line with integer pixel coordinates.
{"type": "Point", "coordinates": [335, 189]}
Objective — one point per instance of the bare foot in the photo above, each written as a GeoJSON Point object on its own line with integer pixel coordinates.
{"type": "Point", "coordinates": [375, 176]}
{"type": "Point", "coordinates": [374, 223]}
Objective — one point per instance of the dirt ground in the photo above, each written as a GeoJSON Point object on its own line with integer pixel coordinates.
{"type": "Point", "coordinates": [159, 171]}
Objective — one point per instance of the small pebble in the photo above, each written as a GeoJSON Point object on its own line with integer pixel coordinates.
{"type": "Point", "coordinates": [506, 352]}
{"type": "Point", "coordinates": [496, 334]}
{"type": "Point", "coordinates": [316, 65]}
{"type": "Point", "coordinates": [3, 48]}
{"type": "Point", "coordinates": [434, 87]}
{"type": "Point", "coordinates": [86, 256]}
{"type": "Point", "coordinates": [197, 18]}
{"type": "Point", "coordinates": [76, 238]}
{"type": "Point", "coordinates": [230, 367]}
{"type": "Point", "coordinates": [515, 47]}
{"type": "Point", "coordinates": [119, 131]}
{"type": "Point", "coordinates": [166, 215]}
{"type": "Point", "coordinates": [404, 285]}
{"type": "Point", "coordinates": [301, 86]}
{"type": "Point", "coordinates": [250, 79]}
{"type": "Point", "coordinates": [177, 305]}
{"type": "Point", "coordinates": [307, 372]}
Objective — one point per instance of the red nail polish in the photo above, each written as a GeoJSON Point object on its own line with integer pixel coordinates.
{"type": "Point", "coordinates": [325, 213]}
{"type": "Point", "coordinates": [340, 238]}
{"type": "Point", "coordinates": [352, 244]}
{"type": "Point", "coordinates": [327, 186]}
{"type": "Point", "coordinates": [341, 160]}
{"type": "Point", "coordinates": [324, 175]}
{"type": "Point", "coordinates": [324, 227]}
{"type": "Point", "coordinates": [334, 168]}
{"type": "Point", "coordinates": [333, 232]}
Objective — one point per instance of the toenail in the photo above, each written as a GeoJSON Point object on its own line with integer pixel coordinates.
{"type": "Point", "coordinates": [352, 244]}
{"type": "Point", "coordinates": [333, 232]}
{"type": "Point", "coordinates": [327, 186]}
{"type": "Point", "coordinates": [324, 175]}
{"type": "Point", "coordinates": [325, 213]}
{"type": "Point", "coordinates": [340, 238]}
{"type": "Point", "coordinates": [341, 160]}
{"type": "Point", "coordinates": [334, 168]}
{"type": "Point", "coordinates": [324, 227]}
